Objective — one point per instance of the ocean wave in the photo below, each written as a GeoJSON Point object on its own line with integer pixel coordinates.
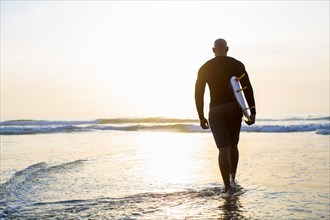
{"type": "Point", "coordinates": [320, 125]}
{"type": "Point", "coordinates": [289, 128]}
{"type": "Point", "coordinates": [148, 205]}
{"type": "Point", "coordinates": [323, 131]}
{"type": "Point", "coordinates": [153, 120]}
{"type": "Point", "coordinates": [293, 119]}
{"type": "Point", "coordinates": [31, 173]}
{"type": "Point", "coordinates": [15, 192]}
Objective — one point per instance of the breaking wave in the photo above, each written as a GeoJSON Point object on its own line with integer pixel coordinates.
{"type": "Point", "coordinates": [319, 125]}
{"type": "Point", "coordinates": [17, 198]}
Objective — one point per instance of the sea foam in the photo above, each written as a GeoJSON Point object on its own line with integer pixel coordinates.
{"type": "Point", "coordinates": [319, 125]}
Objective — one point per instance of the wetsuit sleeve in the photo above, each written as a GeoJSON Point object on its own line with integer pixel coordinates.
{"type": "Point", "coordinates": [248, 92]}
{"type": "Point", "coordinates": [199, 94]}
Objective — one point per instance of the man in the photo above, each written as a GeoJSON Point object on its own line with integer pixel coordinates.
{"type": "Point", "coordinates": [225, 116]}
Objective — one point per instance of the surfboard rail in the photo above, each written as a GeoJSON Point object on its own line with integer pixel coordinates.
{"type": "Point", "coordinates": [238, 92]}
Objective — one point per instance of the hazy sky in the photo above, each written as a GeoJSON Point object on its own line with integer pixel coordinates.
{"type": "Point", "coordinates": [105, 59]}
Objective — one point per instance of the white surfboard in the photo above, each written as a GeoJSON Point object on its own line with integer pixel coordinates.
{"type": "Point", "coordinates": [239, 95]}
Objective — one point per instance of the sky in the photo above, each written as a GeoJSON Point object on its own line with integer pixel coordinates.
{"type": "Point", "coordinates": [110, 59]}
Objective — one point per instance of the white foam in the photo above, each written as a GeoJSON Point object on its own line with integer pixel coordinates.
{"type": "Point", "coordinates": [320, 125]}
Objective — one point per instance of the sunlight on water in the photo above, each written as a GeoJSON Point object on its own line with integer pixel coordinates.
{"type": "Point", "coordinates": [161, 175]}
{"type": "Point", "coordinates": [168, 158]}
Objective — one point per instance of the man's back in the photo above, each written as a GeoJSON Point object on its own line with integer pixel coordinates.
{"type": "Point", "coordinates": [217, 73]}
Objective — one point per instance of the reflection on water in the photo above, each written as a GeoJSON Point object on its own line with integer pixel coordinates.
{"type": "Point", "coordinates": [178, 205]}
{"type": "Point", "coordinates": [168, 160]}
{"type": "Point", "coordinates": [150, 175]}
{"type": "Point", "coordinates": [231, 208]}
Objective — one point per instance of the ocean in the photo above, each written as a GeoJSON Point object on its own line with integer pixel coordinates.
{"type": "Point", "coordinates": [162, 168]}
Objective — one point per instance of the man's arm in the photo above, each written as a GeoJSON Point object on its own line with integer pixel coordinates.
{"type": "Point", "coordinates": [199, 100]}
{"type": "Point", "coordinates": [249, 96]}
{"type": "Point", "coordinates": [248, 92]}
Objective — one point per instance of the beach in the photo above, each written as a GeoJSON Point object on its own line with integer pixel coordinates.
{"type": "Point", "coordinates": [164, 169]}
{"type": "Point", "coordinates": [98, 108]}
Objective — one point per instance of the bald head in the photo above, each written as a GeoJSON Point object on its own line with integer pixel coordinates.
{"type": "Point", "coordinates": [220, 43]}
{"type": "Point", "coordinates": [220, 47]}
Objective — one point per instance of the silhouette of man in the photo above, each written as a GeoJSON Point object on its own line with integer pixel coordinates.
{"type": "Point", "coordinates": [225, 116]}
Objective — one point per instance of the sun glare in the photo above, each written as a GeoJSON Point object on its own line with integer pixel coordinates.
{"type": "Point", "coordinates": [130, 59]}
{"type": "Point", "coordinates": [167, 158]}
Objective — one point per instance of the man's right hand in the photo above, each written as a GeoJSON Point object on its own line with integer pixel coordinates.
{"type": "Point", "coordinates": [252, 121]}
{"type": "Point", "coordinates": [204, 123]}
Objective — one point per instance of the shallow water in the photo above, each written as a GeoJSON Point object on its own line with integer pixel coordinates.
{"type": "Point", "coordinates": [162, 175]}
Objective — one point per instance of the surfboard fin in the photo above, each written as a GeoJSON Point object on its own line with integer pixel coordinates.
{"type": "Point", "coordinates": [239, 78]}
{"type": "Point", "coordinates": [239, 90]}
{"type": "Point", "coordinates": [250, 108]}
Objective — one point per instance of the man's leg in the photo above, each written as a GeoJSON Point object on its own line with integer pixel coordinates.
{"type": "Point", "coordinates": [225, 165]}
{"type": "Point", "coordinates": [234, 156]}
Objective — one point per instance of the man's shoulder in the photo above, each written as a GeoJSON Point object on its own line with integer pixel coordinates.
{"type": "Point", "coordinates": [206, 64]}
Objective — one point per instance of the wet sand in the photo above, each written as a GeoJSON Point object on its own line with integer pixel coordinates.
{"type": "Point", "coordinates": [164, 175]}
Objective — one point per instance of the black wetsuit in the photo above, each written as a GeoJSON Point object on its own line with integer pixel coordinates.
{"type": "Point", "coordinates": [217, 73]}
